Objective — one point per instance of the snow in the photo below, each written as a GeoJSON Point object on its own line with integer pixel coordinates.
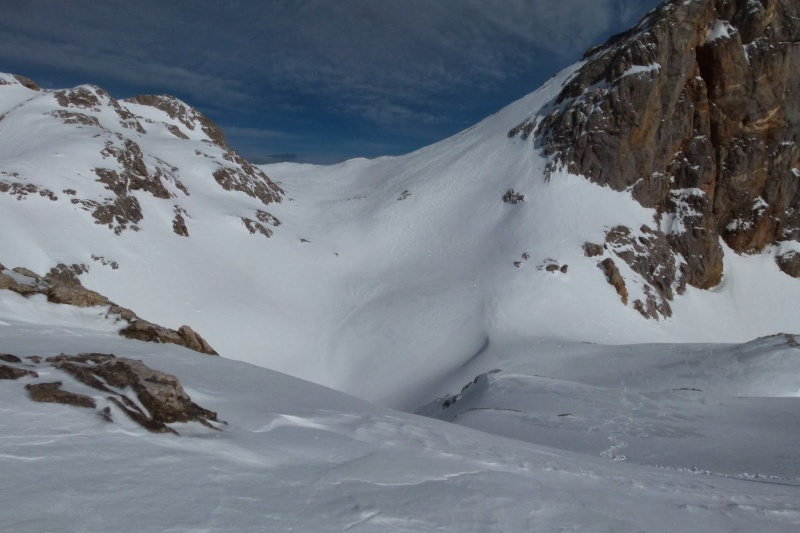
{"type": "Point", "coordinates": [720, 29]}
{"type": "Point", "coordinates": [389, 297]}
{"type": "Point", "coordinates": [299, 457]}
{"type": "Point", "coordinates": [640, 69]}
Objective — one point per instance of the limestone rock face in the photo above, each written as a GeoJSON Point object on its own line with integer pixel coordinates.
{"type": "Point", "coordinates": [695, 112]}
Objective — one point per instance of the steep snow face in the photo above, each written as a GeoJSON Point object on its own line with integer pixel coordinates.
{"type": "Point", "coordinates": [295, 456]}
{"type": "Point", "coordinates": [384, 277]}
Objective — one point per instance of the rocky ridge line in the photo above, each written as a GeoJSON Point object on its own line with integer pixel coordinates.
{"type": "Point", "coordinates": [62, 286]}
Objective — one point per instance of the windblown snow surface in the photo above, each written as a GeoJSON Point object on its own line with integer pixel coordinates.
{"type": "Point", "coordinates": [393, 280]}
{"type": "Point", "coordinates": [296, 456]}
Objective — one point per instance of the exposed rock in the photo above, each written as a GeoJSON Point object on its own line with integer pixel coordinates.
{"type": "Point", "coordinates": [179, 223]}
{"type": "Point", "coordinates": [649, 255]}
{"type": "Point", "coordinates": [71, 117]}
{"type": "Point", "coordinates": [162, 396]}
{"type": "Point", "coordinates": [194, 341]}
{"type": "Point", "coordinates": [614, 278]}
{"type": "Point", "coordinates": [513, 197]}
{"type": "Point", "coordinates": [26, 82]}
{"type": "Point", "coordinates": [405, 194]}
{"type": "Point", "coordinates": [694, 111]}
{"type": "Point", "coordinates": [552, 266]}
{"type": "Point", "coordinates": [22, 190]}
{"type": "Point", "coordinates": [175, 130]}
{"type": "Point", "coordinates": [187, 116]}
{"type": "Point", "coordinates": [52, 393]}
{"type": "Point", "coordinates": [62, 274]}
{"type": "Point", "coordinates": [267, 218]}
{"type": "Point", "coordinates": [26, 272]}
{"type": "Point", "coordinates": [592, 250]}
{"type": "Point", "coordinates": [151, 398]}
{"type": "Point", "coordinates": [790, 263]}
{"type": "Point", "coordinates": [147, 331]}
{"type": "Point", "coordinates": [256, 227]}
{"type": "Point", "coordinates": [247, 178]}
{"type": "Point", "coordinates": [62, 286]}
{"type": "Point", "coordinates": [105, 261]}
{"type": "Point", "coordinates": [11, 372]}
{"type": "Point", "coordinates": [84, 97]}
{"type": "Point", "coordinates": [8, 358]}
{"type": "Point", "coordinates": [78, 296]}
{"type": "Point", "coordinates": [791, 340]}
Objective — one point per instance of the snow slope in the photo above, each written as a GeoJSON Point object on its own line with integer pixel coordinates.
{"type": "Point", "coordinates": [728, 409]}
{"type": "Point", "coordinates": [408, 269]}
{"type": "Point", "coordinates": [299, 457]}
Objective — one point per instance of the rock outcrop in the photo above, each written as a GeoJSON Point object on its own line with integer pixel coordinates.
{"type": "Point", "coordinates": [695, 113]}
{"type": "Point", "coordinates": [62, 286]}
{"type": "Point", "coordinates": [150, 398]}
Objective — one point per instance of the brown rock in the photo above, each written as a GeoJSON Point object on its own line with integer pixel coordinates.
{"type": "Point", "coordinates": [147, 331]}
{"type": "Point", "coordinates": [256, 227]}
{"type": "Point", "coordinates": [62, 286]}
{"type": "Point", "coordinates": [194, 341]}
{"type": "Point", "coordinates": [11, 372]}
{"type": "Point", "coordinates": [26, 82]}
{"type": "Point", "coordinates": [789, 263]}
{"type": "Point", "coordinates": [592, 250]}
{"type": "Point", "coordinates": [164, 399]}
{"type": "Point", "coordinates": [52, 393]}
{"type": "Point", "coordinates": [179, 223]}
{"type": "Point", "coordinates": [76, 295]}
{"type": "Point", "coordinates": [187, 115]}
{"type": "Point", "coordinates": [614, 278]}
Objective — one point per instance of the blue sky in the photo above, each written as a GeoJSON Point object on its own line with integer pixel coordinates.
{"type": "Point", "coordinates": [313, 80]}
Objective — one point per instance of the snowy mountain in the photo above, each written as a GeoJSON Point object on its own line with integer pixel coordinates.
{"type": "Point", "coordinates": [643, 198]}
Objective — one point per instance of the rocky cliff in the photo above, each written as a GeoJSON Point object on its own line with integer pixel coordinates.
{"type": "Point", "coordinates": [695, 112]}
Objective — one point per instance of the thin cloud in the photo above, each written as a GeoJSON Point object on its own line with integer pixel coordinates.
{"type": "Point", "coordinates": [394, 65]}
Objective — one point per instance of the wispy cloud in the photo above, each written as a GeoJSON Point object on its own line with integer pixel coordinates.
{"type": "Point", "coordinates": [388, 64]}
